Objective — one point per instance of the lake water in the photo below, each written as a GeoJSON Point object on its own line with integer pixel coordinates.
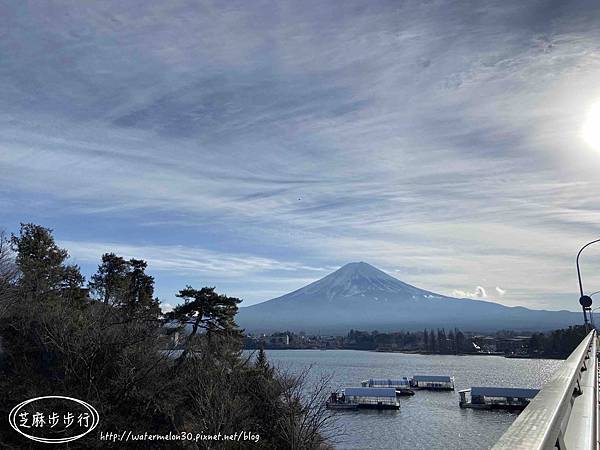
{"type": "Point", "coordinates": [427, 420]}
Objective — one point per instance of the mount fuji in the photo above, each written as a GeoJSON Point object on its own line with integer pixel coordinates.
{"type": "Point", "coordinates": [360, 296]}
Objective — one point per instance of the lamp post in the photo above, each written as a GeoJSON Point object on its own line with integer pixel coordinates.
{"type": "Point", "coordinates": [592, 311]}
{"type": "Point", "coordinates": [584, 300]}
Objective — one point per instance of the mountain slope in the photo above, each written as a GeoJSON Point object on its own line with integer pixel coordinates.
{"type": "Point", "coordinates": [360, 296]}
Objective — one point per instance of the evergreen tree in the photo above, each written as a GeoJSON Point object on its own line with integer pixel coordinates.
{"type": "Point", "coordinates": [109, 283]}
{"type": "Point", "coordinates": [205, 309]}
{"type": "Point", "coordinates": [432, 341]}
{"type": "Point", "coordinates": [460, 341]}
{"type": "Point", "coordinates": [451, 342]}
{"type": "Point", "coordinates": [98, 352]}
{"type": "Point", "coordinates": [125, 284]}
{"type": "Point", "coordinates": [262, 363]}
{"type": "Point", "coordinates": [441, 337]}
{"type": "Point", "coordinates": [43, 272]}
{"type": "Point", "coordinates": [8, 275]}
{"type": "Point", "coordinates": [140, 289]}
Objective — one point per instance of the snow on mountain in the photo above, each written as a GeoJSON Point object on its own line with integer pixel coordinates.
{"type": "Point", "coordinates": [354, 279]}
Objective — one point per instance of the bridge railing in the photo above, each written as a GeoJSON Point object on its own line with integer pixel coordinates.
{"type": "Point", "coordinates": [545, 422]}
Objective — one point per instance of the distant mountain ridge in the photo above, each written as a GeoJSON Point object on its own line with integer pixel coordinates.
{"type": "Point", "coordinates": [360, 296]}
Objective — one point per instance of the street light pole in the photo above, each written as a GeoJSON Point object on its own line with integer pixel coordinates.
{"type": "Point", "coordinates": [592, 311]}
{"type": "Point", "coordinates": [584, 300]}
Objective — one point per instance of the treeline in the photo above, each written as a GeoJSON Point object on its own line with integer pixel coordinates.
{"type": "Point", "coordinates": [101, 342]}
{"type": "Point", "coordinates": [432, 341]}
{"type": "Point", "coordinates": [553, 344]}
{"type": "Point", "coordinates": [557, 343]}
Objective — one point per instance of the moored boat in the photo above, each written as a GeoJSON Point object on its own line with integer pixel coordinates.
{"type": "Point", "coordinates": [402, 385]}
{"type": "Point", "coordinates": [513, 399]}
{"type": "Point", "coordinates": [432, 382]}
{"type": "Point", "coordinates": [351, 398]}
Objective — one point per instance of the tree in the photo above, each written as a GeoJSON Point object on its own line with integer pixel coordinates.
{"type": "Point", "coordinates": [262, 363]}
{"type": "Point", "coordinates": [125, 284]}
{"type": "Point", "coordinates": [109, 283]}
{"type": "Point", "coordinates": [41, 263]}
{"type": "Point", "coordinates": [8, 275]}
{"type": "Point", "coordinates": [140, 289]}
{"type": "Point", "coordinates": [432, 341]}
{"type": "Point", "coordinates": [441, 336]}
{"type": "Point", "coordinates": [208, 310]}
{"type": "Point", "coordinates": [50, 344]}
{"type": "Point", "coordinates": [460, 340]}
{"type": "Point", "coordinates": [452, 342]}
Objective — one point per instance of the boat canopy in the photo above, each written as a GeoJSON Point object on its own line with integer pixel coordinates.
{"type": "Point", "coordinates": [433, 378]}
{"type": "Point", "coordinates": [369, 392]}
{"type": "Point", "coordinates": [503, 392]}
{"type": "Point", "coordinates": [386, 382]}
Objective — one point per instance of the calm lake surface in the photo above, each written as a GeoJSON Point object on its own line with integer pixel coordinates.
{"type": "Point", "coordinates": [427, 420]}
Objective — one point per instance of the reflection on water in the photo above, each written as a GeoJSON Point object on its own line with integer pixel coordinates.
{"type": "Point", "coordinates": [427, 420]}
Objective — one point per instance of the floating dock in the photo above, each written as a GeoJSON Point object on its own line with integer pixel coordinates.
{"type": "Point", "coordinates": [432, 382]}
{"type": "Point", "coordinates": [513, 399]}
{"type": "Point", "coordinates": [402, 385]}
{"type": "Point", "coordinates": [352, 398]}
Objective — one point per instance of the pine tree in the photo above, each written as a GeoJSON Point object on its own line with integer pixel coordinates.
{"type": "Point", "coordinates": [140, 289]}
{"type": "Point", "coordinates": [44, 273]}
{"type": "Point", "coordinates": [460, 340]}
{"type": "Point", "coordinates": [432, 341]}
{"type": "Point", "coordinates": [441, 338]}
{"type": "Point", "coordinates": [262, 363]}
{"type": "Point", "coordinates": [205, 309]}
{"type": "Point", "coordinates": [452, 342]}
{"type": "Point", "coordinates": [109, 283]}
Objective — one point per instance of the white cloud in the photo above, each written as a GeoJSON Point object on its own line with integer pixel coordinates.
{"type": "Point", "coordinates": [166, 307]}
{"type": "Point", "coordinates": [479, 292]}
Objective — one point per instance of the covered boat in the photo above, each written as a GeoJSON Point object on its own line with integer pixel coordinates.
{"type": "Point", "coordinates": [363, 398]}
{"type": "Point", "coordinates": [402, 385]}
{"type": "Point", "coordinates": [433, 382]}
{"type": "Point", "coordinates": [515, 399]}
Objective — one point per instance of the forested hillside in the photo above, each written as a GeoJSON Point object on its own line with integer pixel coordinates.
{"type": "Point", "coordinates": [102, 342]}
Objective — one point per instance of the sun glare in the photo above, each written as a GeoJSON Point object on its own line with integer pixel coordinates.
{"type": "Point", "coordinates": [591, 127]}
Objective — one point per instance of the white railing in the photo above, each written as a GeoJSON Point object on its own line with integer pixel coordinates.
{"type": "Point", "coordinates": [563, 414]}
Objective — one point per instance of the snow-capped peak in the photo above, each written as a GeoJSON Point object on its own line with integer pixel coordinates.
{"type": "Point", "coordinates": [355, 279]}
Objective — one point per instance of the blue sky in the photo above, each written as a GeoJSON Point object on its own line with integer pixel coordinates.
{"type": "Point", "coordinates": [257, 146]}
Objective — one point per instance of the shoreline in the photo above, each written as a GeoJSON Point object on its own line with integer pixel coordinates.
{"type": "Point", "coordinates": [409, 352]}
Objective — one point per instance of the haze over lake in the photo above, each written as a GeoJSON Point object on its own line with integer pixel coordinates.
{"type": "Point", "coordinates": [427, 420]}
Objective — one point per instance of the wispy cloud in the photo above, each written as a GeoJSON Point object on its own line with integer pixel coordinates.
{"type": "Point", "coordinates": [242, 275]}
{"type": "Point", "coordinates": [441, 140]}
{"type": "Point", "coordinates": [184, 259]}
